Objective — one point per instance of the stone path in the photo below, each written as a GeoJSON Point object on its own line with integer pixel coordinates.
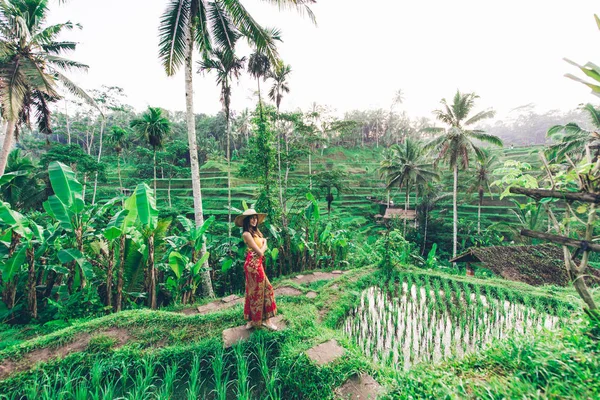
{"type": "Point", "coordinates": [233, 335]}
{"type": "Point", "coordinates": [232, 300]}
{"type": "Point", "coordinates": [325, 353]}
{"type": "Point", "coordinates": [359, 387]}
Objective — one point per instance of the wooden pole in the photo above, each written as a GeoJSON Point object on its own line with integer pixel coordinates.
{"type": "Point", "coordinates": [582, 244]}
{"type": "Point", "coordinates": [573, 196]}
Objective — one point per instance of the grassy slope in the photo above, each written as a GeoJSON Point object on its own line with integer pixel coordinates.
{"type": "Point", "coordinates": [563, 364]}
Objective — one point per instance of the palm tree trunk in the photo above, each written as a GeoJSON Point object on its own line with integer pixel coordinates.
{"type": "Point", "coordinates": [99, 156]}
{"type": "Point", "coordinates": [154, 160]}
{"type": "Point", "coordinates": [119, 298]}
{"type": "Point", "coordinates": [169, 191]}
{"type": "Point", "coordinates": [68, 123]}
{"type": "Point", "coordinates": [407, 199]}
{"type": "Point", "coordinates": [309, 170]}
{"type": "Point", "coordinates": [31, 282]}
{"type": "Point", "coordinates": [228, 133]}
{"type": "Point", "coordinates": [152, 271]}
{"type": "Point", "coordinates": [425, 233]}
{"type": "Point", "coordinates": [479, 210]}
{"type": "Point", "coordinates": [455, 212]}
{"type": "Point", "coordinates": [119, 173]}
{"type": "Point", "coordinates": [194, 165]}
{"type": "Point", "coordinates": [109, 273]}
{"type": "Point", "coordinates": [8, 144]}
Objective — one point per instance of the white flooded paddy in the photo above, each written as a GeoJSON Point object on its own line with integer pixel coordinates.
{"type": "Point", "coordinates": [427, 322]}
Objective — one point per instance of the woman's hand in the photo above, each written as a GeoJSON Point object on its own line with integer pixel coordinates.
{"type": "Point", "coordinates": [264, 248]}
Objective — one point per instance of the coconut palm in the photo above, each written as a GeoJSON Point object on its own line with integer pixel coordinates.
{"type": "Point", "coordinates": [485, 165]}
{"type": "Point", "coordinates": [30, 67]}
{"type": "Point", "coordinates": [259, 65]}
{"type": "Point", "coordinates": [574, 141]}
{"type": "Point", "coordinates": [119, 139]}
{"type": "Point", "coordinates": [152, 128]}
{"type": "Point", "coordinates": [456, 143]}
{"type": "Point", "coordinates": [227, 67]}
{"type": "Point", "coordinates": [187, 24]}
{"type": "Point", "coordinates": [279, 74]}
{"type": "Point", "coordinates": [406, 167]}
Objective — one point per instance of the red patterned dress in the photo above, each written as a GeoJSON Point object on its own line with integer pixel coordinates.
{"type": "Point", "coordinates": [260, 299]}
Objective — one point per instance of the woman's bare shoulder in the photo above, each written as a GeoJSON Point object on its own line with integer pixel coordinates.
{"type": "Point", "coordinates": [247, 235]}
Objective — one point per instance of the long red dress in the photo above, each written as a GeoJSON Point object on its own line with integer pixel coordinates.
{"type": "Point", "coordinates": [260, 298]}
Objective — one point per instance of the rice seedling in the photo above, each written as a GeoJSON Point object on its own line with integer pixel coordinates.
{"type": "Point", "coordinates": [438, 319]}
{"type": "Point", "coordinates": [220, 375]}
{"type": "Point", "coordinates": [194, 384]}
{"type": "Point", "coordinates": [243, 372]}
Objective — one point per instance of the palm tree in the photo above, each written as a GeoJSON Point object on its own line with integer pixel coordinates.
{"type": "Point", "coordinates": [186, 24]}
{"type": "Point", "coordinates": [456, 144]}
{"type": "Point", "coordinates": [259, 65]}
{"type": "Point", "coordinates": [406, 167]}
{"type": "Point", "coordinates": [30, 66]}
{"type": "Point", "coordinates": [574, 141]}
{"type": "Point", "coordinates": [279, 74]}
{"type": "Point", "coordinates": [485, 165]}
{"type": "Point", "coordinates": [152, 127]}
{"type": "Point", "coordinates": [228, 67]}
{"type": "Point", "coordinates": [119, 138]}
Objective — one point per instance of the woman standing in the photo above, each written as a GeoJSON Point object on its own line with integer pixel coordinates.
{"type": "Point", "coordinates": [260, 304]}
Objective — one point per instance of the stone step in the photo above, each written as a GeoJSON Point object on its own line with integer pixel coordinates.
{"type": "Point", "coordinates": [325, 353]}
{"type": "Point", "coordinates": [359, 387]}
{"type": "Point", "coordinates": [233, 335]}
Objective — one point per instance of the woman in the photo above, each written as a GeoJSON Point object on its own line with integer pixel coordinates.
{"type": "Point", "coordinates": [260, 304]}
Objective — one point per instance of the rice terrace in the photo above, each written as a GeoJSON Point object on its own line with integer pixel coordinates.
{"type": "Point", "coordinates": [299, 199]}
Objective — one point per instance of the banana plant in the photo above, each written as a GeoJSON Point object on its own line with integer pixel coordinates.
{"type": "Point", "coordinates": [142, 212]}
{"type": "Point", "coordinates": [67, 206]}
{"type": "Point", "coordinates": [186, 259]}
{"type": "Point", "coordinates": [115, 234]}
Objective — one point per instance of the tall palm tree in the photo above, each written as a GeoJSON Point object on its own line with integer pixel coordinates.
{"type": "Point", "coordinates": [152, 128]}
{"type": "Point", "coordinates": [456, 143]}
{"type": "Point", "coordinates": [406, 167]}
{"type": "Point", "coordinates": [227, 67]}
{"type": "Point", "coordinates": [119, 139]}
{"type": "Point", "coordinates": [259, 65]}
{"type": "Point", "coordinates": [189, 24]}
{"type": "Point", "coordinates": [280, 74]}
{"type": "Point", "coordinates": [485, 165]}
{"type": "Point", "coordinates": [30, 66]}
{"type": "Point", "coordinates": [573, 140]}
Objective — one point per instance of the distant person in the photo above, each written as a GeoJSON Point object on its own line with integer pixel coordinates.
{"type": "Point", "coordinates": [260, 305]}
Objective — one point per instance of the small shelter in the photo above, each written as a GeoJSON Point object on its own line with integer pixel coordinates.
{"type": "Point", "coordinates": [399, 213]}
{"type": "Point", "coordinates": [536, 265]}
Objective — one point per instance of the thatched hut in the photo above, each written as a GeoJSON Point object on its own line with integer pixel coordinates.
{"type": "Point", "coordinates": [535, 265]}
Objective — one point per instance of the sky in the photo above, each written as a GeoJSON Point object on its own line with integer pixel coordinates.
{"type": "Point", "coordinates": [360, 53]}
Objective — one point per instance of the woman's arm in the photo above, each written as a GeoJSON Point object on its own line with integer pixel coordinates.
{"type": "Point", "coordinates": [252, 244]}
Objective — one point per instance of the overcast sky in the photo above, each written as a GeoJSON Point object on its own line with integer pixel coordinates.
{"type": "Point", "coordinates": [509, 52]}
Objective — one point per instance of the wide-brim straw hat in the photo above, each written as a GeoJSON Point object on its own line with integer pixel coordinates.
{"type": "Point", "coordinates": [239, 220]}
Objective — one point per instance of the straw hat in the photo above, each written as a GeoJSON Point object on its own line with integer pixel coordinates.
{"type": "Point", "coordinates": [239, 220]}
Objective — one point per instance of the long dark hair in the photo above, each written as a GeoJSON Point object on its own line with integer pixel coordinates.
{"type": "Point", "coordinates": [247, 228]}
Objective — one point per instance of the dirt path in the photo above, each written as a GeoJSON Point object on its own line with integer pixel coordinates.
{"type": "Point", "coordinates": [80, 343]}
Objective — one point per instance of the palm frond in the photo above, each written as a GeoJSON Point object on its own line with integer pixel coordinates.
{"type": "Point", "coordinates": [173, 31]}
{"type": "Point", "coordinates": [302, 6]}
{"type": "Point", "coordinates": [485, 137]}
{"type": "Point", "coordinates": [59, 47]}
{"type": "Point", "coordinates": [12, 88]}
{"type": "Point", "coordinates": [66, 64]}
{"type": "Point", "coordinates": [594, 114]}
{"type": "Point", "coordinates": [76, 90]}
{"type": "Point", "coordinates": [480, 116]}
{"type": "Point", "coordinates": [223, 32]}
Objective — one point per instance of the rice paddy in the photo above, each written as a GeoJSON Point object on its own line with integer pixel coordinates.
{"type": "Point", "coordinates": [419, 318]}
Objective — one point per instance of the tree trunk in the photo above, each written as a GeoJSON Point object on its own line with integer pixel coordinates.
{"type": "Point", "coordinates": [9, 139]}
{"type": "Point", "coordinates": [479, 210]}
{"type": "Point", "coordinates": [228, 133]}
{"type": "Point", "coordinates": [119, 298]}
{"type": "Point", "coordinates": [99, 157]}
{"type": "Point", "coordinates": [68, 123]}
{"type": "Point", "coordinates": [152, 272]}
{"type": "Point", "coordinates": [109, 273]}
{"type": "Point", "coordinates": [31, 281]}
{"type": "Point", "coordinates": [406, 200]}
{"type": "Point", "coordinates": [425, 233]}
{"type": "Point", "coordinates": [154, 160]}
{"type": "Point", "coordinates": [309, 170]}
{"type": "Point", "coordinates": [120, 180]}
{"type": "Point", "coordinates": [455, 212]}
{"type": "Point", "coordinates": [169, 191]}
{"type": "Point", "coordinates": [191, 127]}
